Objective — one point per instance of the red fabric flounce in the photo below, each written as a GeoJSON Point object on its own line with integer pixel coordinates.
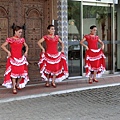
{"type": "Point", "coordinates": [94, 60]}
{"type": "Point", "coordinates": [53, 64]}
{"type": "Point", "coordinates": [16, 68]}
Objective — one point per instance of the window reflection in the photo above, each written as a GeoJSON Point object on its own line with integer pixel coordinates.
{"type": "Point", "coordinates": [74, 37]}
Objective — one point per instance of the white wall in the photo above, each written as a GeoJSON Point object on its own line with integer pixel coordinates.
{"type": "Point", "coordinates": [87, 23]}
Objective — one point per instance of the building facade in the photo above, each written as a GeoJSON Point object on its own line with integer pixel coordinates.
{"type": "Point", "coordinates": [34, 16]}
{"type": "Point", "coordinates": [105, 15]}
{"type": "Point", "coordinates": [72, 19]}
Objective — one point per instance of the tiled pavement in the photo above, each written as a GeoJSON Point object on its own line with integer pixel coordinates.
{"type": "Point", "coordinates": [37, 90]}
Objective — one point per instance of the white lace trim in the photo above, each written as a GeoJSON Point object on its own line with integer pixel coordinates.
{"type": "Point", "coordinates": [8, 84]}
{"type": "Point", "coordinates": [101, 69]}
{"type": "Point", "coordinates": [52, 73]}
{"type": "Point", "coordinates": [97, 75]}
{"type": "Point", "coordinates": [19, 62]}
{"type": "Point", "coordinates": [41, 60]}
{"type": "Point", "coordinates": [8, 70]}
{"type": "Point", "coordinates": [93, 50]}
{"type": "Point", "coordinates": [20, 59]}
{"type": "Point", "coordinates": [91, 69]}
{"type": "Point", "coordinates": [42, 71]}
{"type": "Point", "coordinates": [96, 57]}
{"type": "Point", "coordinates": [54, 55]}
{"type": "Point", "coordinates": [11, 40]}
{"type": "Point", "coordinates": [19, 75]}
{"type": "Point", "coordinates": [23, 75]}
{"type": "Point", "coordinates": [51, 61]}
{"type": "Point", "coordinates": [22, 85]}
{"type": "Point", "coordinates": [26, 80]}
{"type": "Point", "coordinates": [60, 79]}
{"type": "Point", "coordinates": [54, 61]}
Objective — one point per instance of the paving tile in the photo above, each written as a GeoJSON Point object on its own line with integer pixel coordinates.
{"type": "Point", "coordinates": [116, 79]}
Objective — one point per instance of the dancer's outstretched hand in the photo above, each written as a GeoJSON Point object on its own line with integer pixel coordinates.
{"type": "Point", "coordinates": [25, 54]}
{"type": "Point", "coordinates": [43, 50]}
{"type": "Point", "coordinates": [62, 51]}
{"type": "Point", "coordinates": [9, 54]}
{"type": "Point", "coordinates": [87, 48]}
{"type": "Point", "coordinates": [102, 47]}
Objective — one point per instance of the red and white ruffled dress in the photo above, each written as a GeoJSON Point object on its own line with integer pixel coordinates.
{"type": "Point", "coordinates": [16, 66]}
{"type": "Point", "coordinates": [53, 62]}
{"type": "Point", "coordinates": [94, 57]}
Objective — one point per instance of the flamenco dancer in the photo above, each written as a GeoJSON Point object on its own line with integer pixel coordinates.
{"type": "Point", "coordinates": [94, 57]}
{"type": "Point", "coordinates": [53, 66]}
{"type": "Point", "coordinates": [16, 74]}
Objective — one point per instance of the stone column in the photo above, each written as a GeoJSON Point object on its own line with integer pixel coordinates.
{"type": "Point", "coordinates": [62, 17]}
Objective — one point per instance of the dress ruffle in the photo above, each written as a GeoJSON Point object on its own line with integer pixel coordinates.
{"type": "Point", "coordinates": [9, 73]}
{"type": "Point", "coordinates": [95, 61]}
{"type": "Point", "coordinates": [53, 64]}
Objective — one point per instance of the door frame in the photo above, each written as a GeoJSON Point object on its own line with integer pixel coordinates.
{"type": "Point", "coordinates": [112, 35]}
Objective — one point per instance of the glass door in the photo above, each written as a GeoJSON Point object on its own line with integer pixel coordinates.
{"type": "Point", "coordinates": [117, 38]}
{"type": "Point", "coordinates": [101, 16]}
{"type": "Point", "coordinates": [81, 15]}
{"type": "Point", "coordinates": [74, 37]}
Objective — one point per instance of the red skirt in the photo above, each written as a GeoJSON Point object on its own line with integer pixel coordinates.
{"type": "Point", "coordinates": [53, 64]}
{"type": "Point", "coordinates": [94, 61]}
{"type": "Point", "coordinates": [16, 68]}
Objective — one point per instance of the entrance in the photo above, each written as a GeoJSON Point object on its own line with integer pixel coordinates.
{"type": "Point", "coordinates": [101, 16]}
{"type": "Point", "coordinates": [81, 15]}
{"type": "Point", "coordinates": [74, 31]}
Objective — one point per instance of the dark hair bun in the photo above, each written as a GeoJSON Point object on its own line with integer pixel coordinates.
{"type": "Point", "coordinates": [16, 28]}
{"type": "Point", "coordinates": [93, 26]}
{"type": "Point", "coordinates": [49, 26]}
